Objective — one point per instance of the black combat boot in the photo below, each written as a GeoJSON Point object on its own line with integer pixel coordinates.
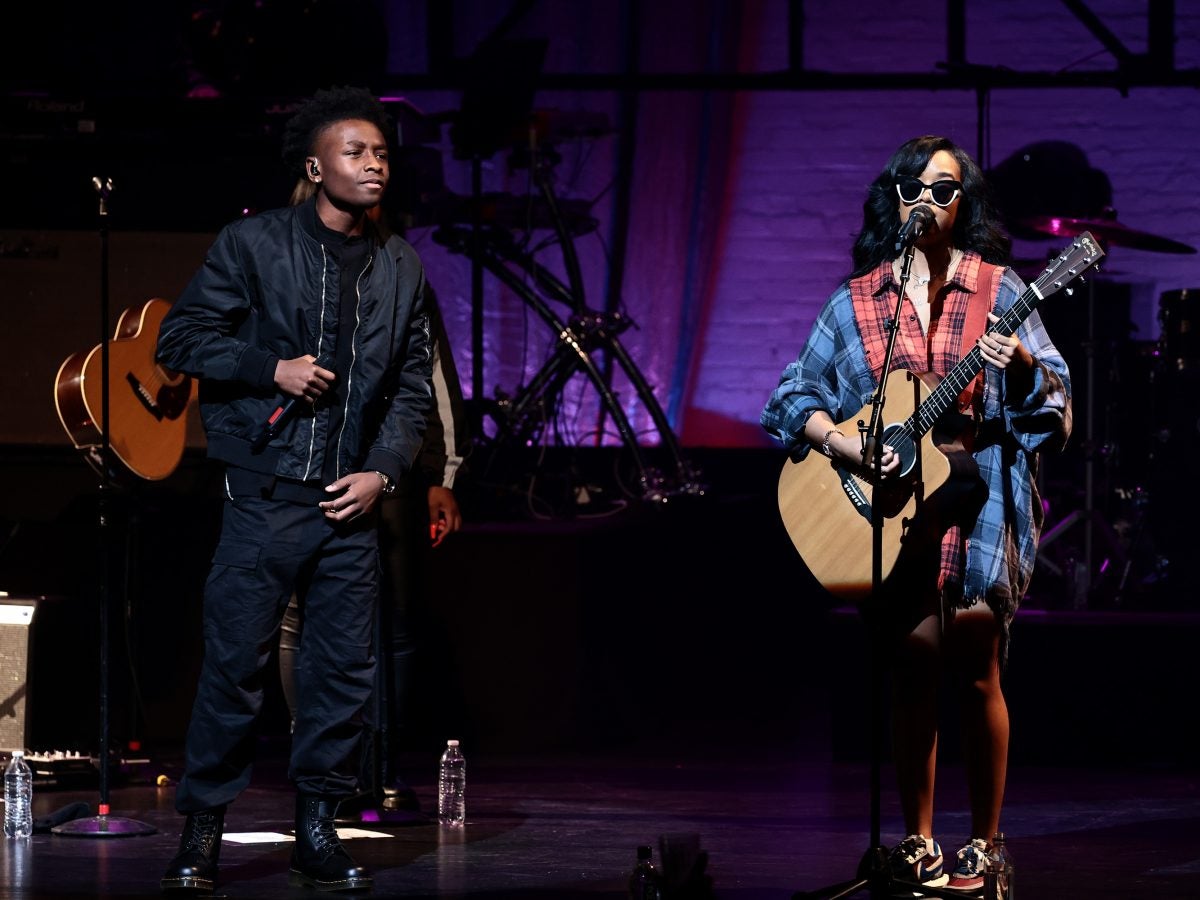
{"type": "Point", "coordinates": [319, 860]}
{"type": "Point", "coordinates": [194, 868]}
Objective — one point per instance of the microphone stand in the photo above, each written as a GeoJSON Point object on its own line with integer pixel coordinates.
{"type": "Point", "coordinates": [103, 825]}
{"type": "Point", "coordinates": [873, 872]}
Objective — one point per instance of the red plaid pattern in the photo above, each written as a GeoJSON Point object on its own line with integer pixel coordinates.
{"type": "Point", "coordinates": [874, 299]}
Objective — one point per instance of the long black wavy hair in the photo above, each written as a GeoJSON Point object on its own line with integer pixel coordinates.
{"type": "Point", "coordinates": [976, 227]}
{"type": "Point", "coordinates": [323, 109]}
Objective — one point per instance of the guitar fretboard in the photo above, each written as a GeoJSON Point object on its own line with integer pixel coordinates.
{"type": "Point", "coordinates": [1083, 253]}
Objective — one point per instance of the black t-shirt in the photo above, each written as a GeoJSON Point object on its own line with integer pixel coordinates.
{"type": "Point", "coordinates": [351, 256]}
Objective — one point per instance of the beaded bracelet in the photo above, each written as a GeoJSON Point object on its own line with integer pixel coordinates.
{"type": "Point", "coordinates": [825, 442]}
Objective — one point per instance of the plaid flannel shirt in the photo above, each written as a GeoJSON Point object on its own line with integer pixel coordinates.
{"type": "Point", "coordinates": [832, 374]}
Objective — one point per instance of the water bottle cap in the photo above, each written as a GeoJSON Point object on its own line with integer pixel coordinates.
{"type": "Point", "coordinates": [17, 753]}
{"type": "Point", "coordinates": [451, 743]}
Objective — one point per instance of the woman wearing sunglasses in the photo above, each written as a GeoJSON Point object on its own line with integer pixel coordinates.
{"type": "Point", "coordinates": [942, 615]}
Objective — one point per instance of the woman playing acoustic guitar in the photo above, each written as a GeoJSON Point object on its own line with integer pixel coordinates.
{"type": "Point", "coordinates": [945, 608]}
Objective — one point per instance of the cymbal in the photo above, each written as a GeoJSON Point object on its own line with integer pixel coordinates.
{"type": "Point", "coordinates": [1107, 231]}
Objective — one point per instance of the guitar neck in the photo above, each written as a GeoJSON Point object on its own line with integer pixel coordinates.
{"type": "Point", "coordinates": [964, 372]}
{"type": "Point", "coordinates": [1083, 253]}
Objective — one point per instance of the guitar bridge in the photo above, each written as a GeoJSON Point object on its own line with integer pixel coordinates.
{"type": "Point", "coordinates": [143, 396]}
{"type": "Point", "coordinates": [855, 494]}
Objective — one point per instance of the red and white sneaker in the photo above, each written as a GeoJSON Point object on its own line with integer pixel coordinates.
{"type": "Point", "coordinates": [972, 863]}
{"type": "Point", "coordinates": [917, 860]}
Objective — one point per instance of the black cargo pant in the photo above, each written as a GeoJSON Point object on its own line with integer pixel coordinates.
{"type": "Point", "coordinates": [267, 550]}
{"type": "Point", "coordinates": [404, 551]}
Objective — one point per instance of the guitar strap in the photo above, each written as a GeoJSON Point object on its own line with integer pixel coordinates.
{"type": "Point", "coordinates": [980, 304]}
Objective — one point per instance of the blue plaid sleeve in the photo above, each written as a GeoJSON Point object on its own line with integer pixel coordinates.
{"type": "Point", "coordinates": [1003, 544]}
{"type": "Point", "coordinates": [1044, 416]}
{"type": "Point", "coordinates": [812, 381]}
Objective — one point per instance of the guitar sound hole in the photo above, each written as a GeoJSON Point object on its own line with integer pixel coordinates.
{"type": "Point", "coordinates": [895, 437]}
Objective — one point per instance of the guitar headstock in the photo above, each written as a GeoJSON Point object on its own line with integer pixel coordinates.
{"type": "Point", "coordinates": [1085, 251]}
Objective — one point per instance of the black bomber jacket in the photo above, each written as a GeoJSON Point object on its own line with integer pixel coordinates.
{"type": "Point", "coordinates": [268, 290]}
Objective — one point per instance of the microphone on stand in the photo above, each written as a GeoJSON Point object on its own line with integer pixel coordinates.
{"type": "Point", "coordinates": [283, 412]}
{"type": "Point", "coordinates": [918, 220]}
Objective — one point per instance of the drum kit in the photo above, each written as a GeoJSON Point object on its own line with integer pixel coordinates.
{"type": "Point", "coordinates": [1131, 433]}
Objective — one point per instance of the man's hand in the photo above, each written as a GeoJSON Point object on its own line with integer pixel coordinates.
{"type": "Point", "coordinates": [358, 494]}
{"type": "Point", "coordinates": [301, 377]}
{"type": "Point", "coordinates": [444, 514]}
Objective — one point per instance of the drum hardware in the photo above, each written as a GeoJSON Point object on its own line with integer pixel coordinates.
{"type": "Point", "coordinates": [493, 232]}
{"type": "Point", "coordinates": [1082, 573]}
{"type": "Point", "coordinates": [1107, 230]}
{"type": "Point", "coordinates": [1178, 335]}
{"type": "Point", "coordinates": [1179, 319]}
{"type": "Point", "coordinates": [1137, 541]}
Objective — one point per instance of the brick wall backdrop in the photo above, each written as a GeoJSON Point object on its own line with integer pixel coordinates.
{"type": "Point", "coordinates": [800, 163]}
{"type": "Point", "coordinates": [744, 202]}
{"type": "Point", "coordinates": [779, 206]}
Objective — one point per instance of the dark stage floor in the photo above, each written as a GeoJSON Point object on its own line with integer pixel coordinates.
{"type": "Point", "coordinates": [773, 819]}
{"type": "Point", "coordinates": [613, 680]}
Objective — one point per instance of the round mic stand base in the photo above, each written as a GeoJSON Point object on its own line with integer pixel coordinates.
{"type": "Point", "coordinates": [103, 827]}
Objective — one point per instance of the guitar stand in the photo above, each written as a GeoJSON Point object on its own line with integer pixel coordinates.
{"type": "Point", "coordinates": [104, 825]}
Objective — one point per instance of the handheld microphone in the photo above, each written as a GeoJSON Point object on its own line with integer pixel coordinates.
{"type": "Point", "coordinates": [918, 220]}
{"type": "Point", "coordinates": [283, 412]}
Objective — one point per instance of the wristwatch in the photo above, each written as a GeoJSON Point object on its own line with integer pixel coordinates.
{"type": "Point", "coordinates": [388, 485]}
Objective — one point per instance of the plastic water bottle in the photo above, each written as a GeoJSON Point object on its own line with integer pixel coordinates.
{"type": "Point", "coordinates": [998, 879]}
{"type": "Point", "coordinates": [18, 797]}
{"type": "Point", "coordinates": [452, 787]}
{"type": "Point", "coordinates": [645, 882]}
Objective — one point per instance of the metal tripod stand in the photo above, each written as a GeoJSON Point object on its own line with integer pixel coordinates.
{"type": "Point", "coordinates": [583, 337]}
{"type": "Point", "coordinates": [1084, 575]}
{"type": "Point", "coordinates": [874, 873]}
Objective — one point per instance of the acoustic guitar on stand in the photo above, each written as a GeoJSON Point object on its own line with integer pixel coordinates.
{"type": "Point", "coordinates": [828, 507]}
{"type": "Point", "coordinates": [147, 420]}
